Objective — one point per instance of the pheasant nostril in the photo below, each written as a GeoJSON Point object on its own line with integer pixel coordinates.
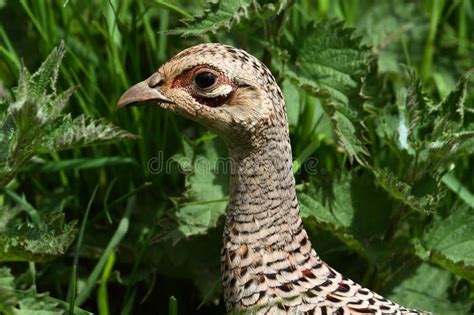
{"type": "Point", "coordinates": [155, 80]}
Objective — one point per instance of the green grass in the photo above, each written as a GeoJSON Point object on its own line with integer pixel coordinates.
{"type": "Point", "coordinates": [131, 254]}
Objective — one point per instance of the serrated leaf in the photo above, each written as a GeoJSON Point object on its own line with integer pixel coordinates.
{"type": "Point", "coordinates": [332, 64]}
{"type": "Point", "coordinates": [418, 105]}
{"type": "Point", "coordinates": [404, 192]}
{"type": "Point", "coordinates": [23, 83]}
{"type": "Point", "coordinates": [218, 15]}
{"type": "Point", "coordinates": [8, 298]}
{"type": "Point", "coordinates": [25, 242]}
{"type": "Point", "coordinates": [449, 242]}
{"type": "Point", "coordinates": [347, 135]}
{"type": "Point", "coordinates": [452, 145]}
{"type": "Point", "coordinates": [82, 131]}
{"type": "Point", "coordinates": [440, 129]}
{"type": "Point", "coordinates": [7, 132]}
{"type": "Point", "coordinates": [29, 302]}
{"type": "Point", "coordinates": [27, 115]}
{"type": "Point", "coordinates": [389, 127]}
{"type": "Point", "coordinates": [206, 189]}
{"type": "Point", "coordinates": [33, 122]}
{"type": "Point", "coordinates": [57, 103]}
{"type": "Point", "coordinates": [453, 104]}
{"type": "Point", "coordinates": [427, 288]}
{"type": "Point", "coordinates": [333, 57]}
{"type": "Point", "coordinates": [44, 79]}
{"type": "Point", "coordinates": [221, 14]}
{"type": "Point", "coordinates": [339, 208]}
{"type": "Point", "coordinates": [385, 25]}
{"type": "Point", "coordinates": [32, 303]}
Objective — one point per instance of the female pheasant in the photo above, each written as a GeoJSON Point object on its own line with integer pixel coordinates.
{"type": "Point", "coordinates": [268, 263]}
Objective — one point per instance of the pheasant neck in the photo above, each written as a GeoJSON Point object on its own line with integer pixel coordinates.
{"type": "Point", "coordinates": [263, 236]}
{"type": "Point", "coordinates": [262, 185]}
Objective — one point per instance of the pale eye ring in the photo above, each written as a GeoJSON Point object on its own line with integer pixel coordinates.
{"type": "Point", "coordinates": [205, 80]}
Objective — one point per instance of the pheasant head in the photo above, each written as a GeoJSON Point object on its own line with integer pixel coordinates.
{"type": "Point", "coordinates": [224, 88]}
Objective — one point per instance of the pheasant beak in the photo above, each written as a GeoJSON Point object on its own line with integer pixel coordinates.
{"type": "Point", "coordinates": [145, 91]}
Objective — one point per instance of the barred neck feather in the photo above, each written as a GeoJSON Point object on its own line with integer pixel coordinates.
{"type": "Point", "coordinates": [268, 263]}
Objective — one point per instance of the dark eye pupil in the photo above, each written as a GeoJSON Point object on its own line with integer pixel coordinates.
{"type": "Point", "coordinates": [205, 79]}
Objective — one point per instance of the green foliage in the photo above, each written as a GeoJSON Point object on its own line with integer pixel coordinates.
{"type": "Point", "coordinates": [379, 99]}
{"type": "Point", "coordinates": [33, 121]}
{"type": "Point", "coordinates": [28, 302]}
{"type": "Point", "coordinates": [26, 242]}
{"type": "Point", "coordinates": [226, 14]}
{"type": "Point", "coordinates": [331, 64]}
{"type": "Point", "coordinates": [206, 183]}
{"type": "Point", "coordinates": [439, 132]}
{"type": "Point", "coordinates": [220, 14]}
{"type": "Point", "coordinates": [404, 192]}
{"type": "Point", "coordinates": [82, 131]}
{"type": "Point", "coordinates": [427, 287]}
{"type": "Point", "coordinates": [448, 241]}
{"type": "Point", "coordinates": [340, 207]}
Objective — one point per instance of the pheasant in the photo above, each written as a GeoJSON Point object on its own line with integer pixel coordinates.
{"type": "Point", "coordinates": [268, 263]}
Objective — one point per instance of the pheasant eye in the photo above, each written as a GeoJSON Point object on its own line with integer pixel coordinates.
{"type": "Point", "coordinates": [205, 80]}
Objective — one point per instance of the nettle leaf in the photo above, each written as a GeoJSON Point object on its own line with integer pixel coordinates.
{"type": "Point", "coordinates": [5, 99]}
{"type": "Point", "coordinates": [32, 303]}
{"type": "Point", "coordinates": [428, 288]}
{"type": "Point", "coordinates": [82, 131]}
{"type": "Point", "coordinates": [430, 137]}
{"type": "Point", "coordinates": [439, 133]}
{"type": "Point", "coordinates": [29, 302]}
{"type": "Point", "coordinates": [26, 242]}
{"type": "Point", "coordinates": [205, 199]}
{"type": "Point", "coordinates": [342, 206]}
{"type": "Point", "coordinates": [225, 14]}
{"type": "Point", "coordinates": [452, 135]}
{"type": "Point", "coordinates": [7, 133]}
{"type": "Point", "coordinates": [418, 106]}
{"type": "Point", "coordinates": [388, 126]}
{"type": "Point", "coordinates": [26, 113]}
{"type": "Point", "coordinates": [401, 191]}
{"type": "Point", "coordinates": [57, 103]}
{"type": "Point", "coordinates": [385, 25]}
{"type": "Point", "coordinates": [218, 15]}
{"type": "Point", "coordinates": [452, 145]}
{"type": "Point", "coordinates": [44, 79]}
{"type": "Point", "coordinates": [33, 122]}
{"type": "Point", "coordinates": [8, 298]}
{"type": "Point", "coordinates": [332, 65]}
{"type": "Point", "coordinates": [453, 103]}
{"type": "Point", "coordinates": [449, 241]}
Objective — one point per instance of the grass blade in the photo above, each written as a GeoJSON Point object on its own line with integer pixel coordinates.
{"type": "Point", "coordinates": [120, 232]}
{"type": "Point", "coordinates": [173, 306]}
{"type": "Point", "coordinates": [458, 188]}
{"type": "Point", "coordinates": [73, 284]}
